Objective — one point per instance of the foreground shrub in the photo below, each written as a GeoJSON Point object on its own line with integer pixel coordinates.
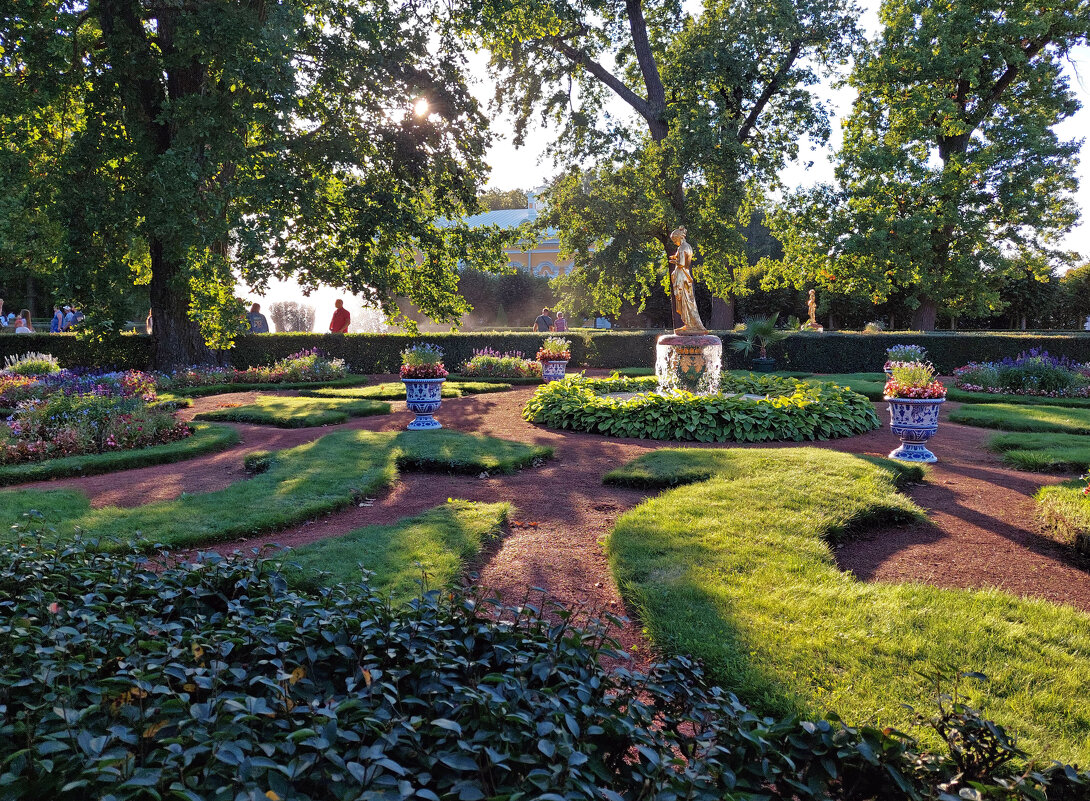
{"type": "Point", "coordinates": [778, 409]}
{"type": "Point", "coordinates": [209, 680]}
{"type": "Point", "coordinates": [1032, 373]}
{"type": "Point", "coordinates": [489, 363]}
{"type": "Point", "coordinates": [31, 364]}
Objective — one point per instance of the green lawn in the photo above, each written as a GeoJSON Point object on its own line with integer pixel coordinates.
{"type": "Point", "coordinates": [206, 438]}
{"type": "Point", "coordinates": [432, 547]}
{"type": "Point", "coordinates": [737, 571]}
{"type": "Point", "coordinates": [1065, 511]}
{"type": "Point", "coordinates": [1014, 417]}
{"type": "Point", "coordinates": [1043, 453]}
{"type": "Point", "coordinates": [872, 385]}
{"type": "Point", "coordinates": [300, 484]}
{"type": "Point", "coordinates": [297, 412]}
{"type": "Point", "coordinates": [961, 396]}
{"type": "Point", "coordinates": [220, 389]}
{"type": "Point", "coordinates": [395, 390]}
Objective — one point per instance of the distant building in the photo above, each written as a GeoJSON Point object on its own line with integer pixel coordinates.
{"type": "Point", "coordinates": [545, 260]}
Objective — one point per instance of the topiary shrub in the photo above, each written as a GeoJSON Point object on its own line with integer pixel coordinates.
{"type": "Point", "coordinates": [209, 680]}
{"type": "Point", "coordinates": [789, 410]}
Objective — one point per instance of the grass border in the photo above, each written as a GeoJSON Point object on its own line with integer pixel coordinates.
{"type": "Point", "coordinates": [338, 411]}
{"type": "Point", "coordinates": [353, 380]}
{"type": "Point", "coordinates": [964, 396]}
{"type": "Point", "coordinates": [206, 438]}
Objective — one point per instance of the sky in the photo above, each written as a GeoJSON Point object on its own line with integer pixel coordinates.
{"type": "Point", "coordinates": [527, 167]}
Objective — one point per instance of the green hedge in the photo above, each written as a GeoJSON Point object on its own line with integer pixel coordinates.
{"type": "Point", "coordinates": [381, 353]}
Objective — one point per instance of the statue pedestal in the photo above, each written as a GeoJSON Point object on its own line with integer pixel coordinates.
{"type": "Point", "coordinates": [692, 363]}
{"type": "Point", "coordinates": [812, 327]}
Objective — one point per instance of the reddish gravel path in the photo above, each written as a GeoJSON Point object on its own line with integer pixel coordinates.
{"type": "Point", "coordinates": [981, 530]}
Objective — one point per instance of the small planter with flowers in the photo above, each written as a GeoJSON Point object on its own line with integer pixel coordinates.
{"type": "Point", "coordinates": [423, 374]}
{"type": "Point", "coordinates": [903, 353]}
{"type": "Point", "coordinates": [914, 396]}
{"type": "Point", "coordinates": [554, 355]}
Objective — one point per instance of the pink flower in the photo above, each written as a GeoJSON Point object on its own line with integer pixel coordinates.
{"type": "Point", "coordinates": [54, 608]}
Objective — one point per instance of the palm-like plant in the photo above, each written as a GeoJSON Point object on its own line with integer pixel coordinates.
{"type": "Point", "coordinates": [759, 333]}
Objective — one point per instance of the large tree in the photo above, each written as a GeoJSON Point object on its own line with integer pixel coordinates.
{"type": "Point", "coordinates": [247, 138]}
{"type": "Point", "coordinates": [715, 104]}
{"type": "Point", "coordinates": [951, 170]}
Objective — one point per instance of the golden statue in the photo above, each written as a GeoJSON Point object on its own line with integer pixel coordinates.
{"type": "Point", "coordinates": [811, 305]}
{"type": "Point", "coordinates": [681, 280]}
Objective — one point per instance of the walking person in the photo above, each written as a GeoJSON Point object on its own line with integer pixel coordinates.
{"type": "Point", "coordinates": [258, 323]}
{"type": "Point", "coordinates": [341, 319]}
{"type": "Point", "coordinates": [561, 323]}
{"type": "Point", "coordinates": [57, 321]}
{"type": "Point", "coordinates": [544, 323]}
{"type": "Point", "coordinates": [23, 325]}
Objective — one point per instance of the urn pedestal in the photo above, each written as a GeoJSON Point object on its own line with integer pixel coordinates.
{"type": "Point", "coordinates": [423, 396]}
{"type": "Point", "coordinates": [691, 363]}
{"type": "Point", "coordinates": [915, 421]}
{"type": "Point", "coordinates": [553, 370]}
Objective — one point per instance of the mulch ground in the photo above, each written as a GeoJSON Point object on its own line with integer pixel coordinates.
{"type": "Point", "coordinates": [981, 529]}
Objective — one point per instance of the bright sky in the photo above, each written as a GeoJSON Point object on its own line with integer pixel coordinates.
{"type": "Point", "coordinates": [527, 167]}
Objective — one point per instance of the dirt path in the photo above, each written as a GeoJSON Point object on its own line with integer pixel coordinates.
{"type": "Point", "coordinates": [981, 530]}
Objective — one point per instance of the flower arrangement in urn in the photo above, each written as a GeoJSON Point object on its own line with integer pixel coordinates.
{"type": "Point", "coordinates": [903, 353]}
{"type": "Point", "coordinates": [423, 361]}
{"type": "Point", "coordinates": [423, 374]}
{"type": "Point", "coordinates": [1086, 490]}
{"type": "Point", "coordinates": [914, 396]}
{"type": "Point", "coordinates": [554, 355]}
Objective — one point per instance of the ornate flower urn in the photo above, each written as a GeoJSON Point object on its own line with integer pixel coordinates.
{"type": "Point", "coordinates": [687, 362]}
{"type": "Point", "coordinates": [423, 396]}
{"type": "Point", "coordinates": [553, 370]}
{"type": "Point", "coordinates": [915, 421]}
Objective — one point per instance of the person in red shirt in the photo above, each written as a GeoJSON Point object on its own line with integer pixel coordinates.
{"type": "Point", "coordinates": [341, 319]}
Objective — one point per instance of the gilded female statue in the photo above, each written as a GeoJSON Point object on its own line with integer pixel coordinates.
{"type": "Point", "coordinates": [682, 282]}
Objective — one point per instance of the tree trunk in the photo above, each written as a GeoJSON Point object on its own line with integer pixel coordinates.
{"type": "Point", "coordinates": [722, 314]}
{"type": "Point", "coordinates": [176, 340]}
{"type": "Point", "coordinates": [923, 318]}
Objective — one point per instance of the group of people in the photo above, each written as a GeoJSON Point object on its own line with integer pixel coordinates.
{"type": "Point", "coordinates": [64, 318]}
{"type": "Point", "coordinates": [545, 322]}
{"type": "Point", "coordinates": [259, 325]}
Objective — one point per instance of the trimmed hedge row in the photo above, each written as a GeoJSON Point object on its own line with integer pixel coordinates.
{"type": "Point", "coordinates": [381, 353]}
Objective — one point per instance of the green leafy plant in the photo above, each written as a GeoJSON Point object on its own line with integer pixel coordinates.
{"type": "Point", "coordinates": [760, 333]}
{"type": "Point", "coordinates": [913, 380]}
{"type": "Point", "coordinates": [31, 364]}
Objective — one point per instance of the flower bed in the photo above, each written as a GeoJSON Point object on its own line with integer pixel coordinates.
{"type": "Point", "coordinates": [913, 381]}
{"type": "Point", "coordinates": [302, 367]}
{"type": "Point", "coordinates": [1034, 373]}
{"type": "Point", "coordinates": [423, 361]}
{"type": "Point", "coordinates": [489, 363]}
{"type": "Point", "coordinates": [787, 410]}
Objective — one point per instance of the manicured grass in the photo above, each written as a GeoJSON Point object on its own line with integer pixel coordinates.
{"type": "Point", "coordinates": [738, 571]}
{"type": "Point", "coordinates": [1043, 453]}
{"type": "Point", "coordinates": [1012, 417]}
{"type": "Point", "coordinates": [206, 438]}
{"type": "Point", "coordinates": [1065, 511]}
{"type": "Point", "coordinates": [872, 385]}
{"type": "Point", "coordinates": [523, 381]}
{"type": "Point", "coordinates": [300, 484]}
{"type": "Point", "coordinates": [220, 389]}
{"type": "Point", "coordinates": [431, 547]}
{"type": "Point", "coordinates": [395, 390]}
{"type": "Point", "coordinates": [961, 396]}
{"type": "Point", "coordinates": [297, 412]}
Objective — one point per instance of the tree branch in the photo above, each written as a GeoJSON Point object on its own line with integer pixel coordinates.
{"type": "Point", "coordinates": [773, 87]}
{"type": "Point", "coordinates": [656, 94]}
{"type": "Point", "coordinates": [577, 56]}
{"type": "Point", "coordinates": [1006, 79]}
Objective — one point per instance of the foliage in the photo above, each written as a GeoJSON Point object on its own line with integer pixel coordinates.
{"type": "Point", "coordinates": [310, 365]}
{"type": "Point", "coordinates": [206, 438]}
{"type": "Point", "coordinates": [31, 364]}
{"type": "Point", "coordinates": [906, 353]}
{"type": "Point", "coordinates": [1043, 452]}
{"type": "Point", "coordinates": [290, 316]}
{"type": "Point", "coordinates": [1065, 511]}
{"type": "Point", "coordinates": [498, 199]}
{"type": "Point", "coordinates": [431, 548]}
{"type": "Point", "coordinates": [296, 412]}
{"type": "Point", "coordinates": [951, 171]}
{"type": "Point", "coordinates": [870, 385]}
{"type": "Point", "coordinates": [554, 349]}
{"type": "Point", "coordinates": [127, 384]}
{"type": "Point", "coordinates": [423, 360]}
{"type": "Point", "coordinates": [740, 572]}
{"type": "Point", "coordinates": [182, 146]}
{"type": "Point", "coordinates": [788, 410]}
{"type": "Point", "coordinates": [514, 298]}
{"type": "Point", "coordinates": [338, 694]}
{"type": "Point", "coordinates": [490, 363]}
{"type": "Point", "coordinates": [1032, 373]}
{"type": "Point", "coordinates": [306, 481]}
{"type": "Point", "coordinates": [913, 380]}
{"type": "Point", "coordinates": [1014, 417]}
{"type": "Point", "coordinates": [760, 333]}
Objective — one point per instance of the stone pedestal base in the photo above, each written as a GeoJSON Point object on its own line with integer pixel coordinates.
{"type": "Point", "coordinates": [691, 363]}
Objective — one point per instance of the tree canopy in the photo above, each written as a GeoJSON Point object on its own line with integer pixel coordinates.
{"type": "Point", "coordinates": [951, 173]}
{"type": "Point", "coordinates": [185, 145]}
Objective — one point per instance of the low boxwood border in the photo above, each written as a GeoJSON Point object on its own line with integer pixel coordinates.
{"type": "Point", "coordinates": [792, 410]}
{"type": "Point", "coordinates": [1065, 512]}
{"type": "Point", "coordinates": [221, 389]}
{"type": "Point", "coordinates": [206, 438]}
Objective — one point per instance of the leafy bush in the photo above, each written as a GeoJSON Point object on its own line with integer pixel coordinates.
{"type": "Point", "coordinates": [790, 410]}
{"type": "Point", "coordinates": [489, 363]}
{"type": "Point", "coordinates": [304, 366]}
{"type": "Point", "coordinates": [31, 364]}
{"type": "Point", "coordinates": [1032, 373]}
{"type": "Point", "coordinates": [210, 680]}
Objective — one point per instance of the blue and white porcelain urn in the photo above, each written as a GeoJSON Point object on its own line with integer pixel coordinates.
{"type": "Point", "coordinates": [553, 370]}
{"type": "Point", "coordinates": [423, 396]}
{"type": "Point", "coordinates": [915, 421]}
